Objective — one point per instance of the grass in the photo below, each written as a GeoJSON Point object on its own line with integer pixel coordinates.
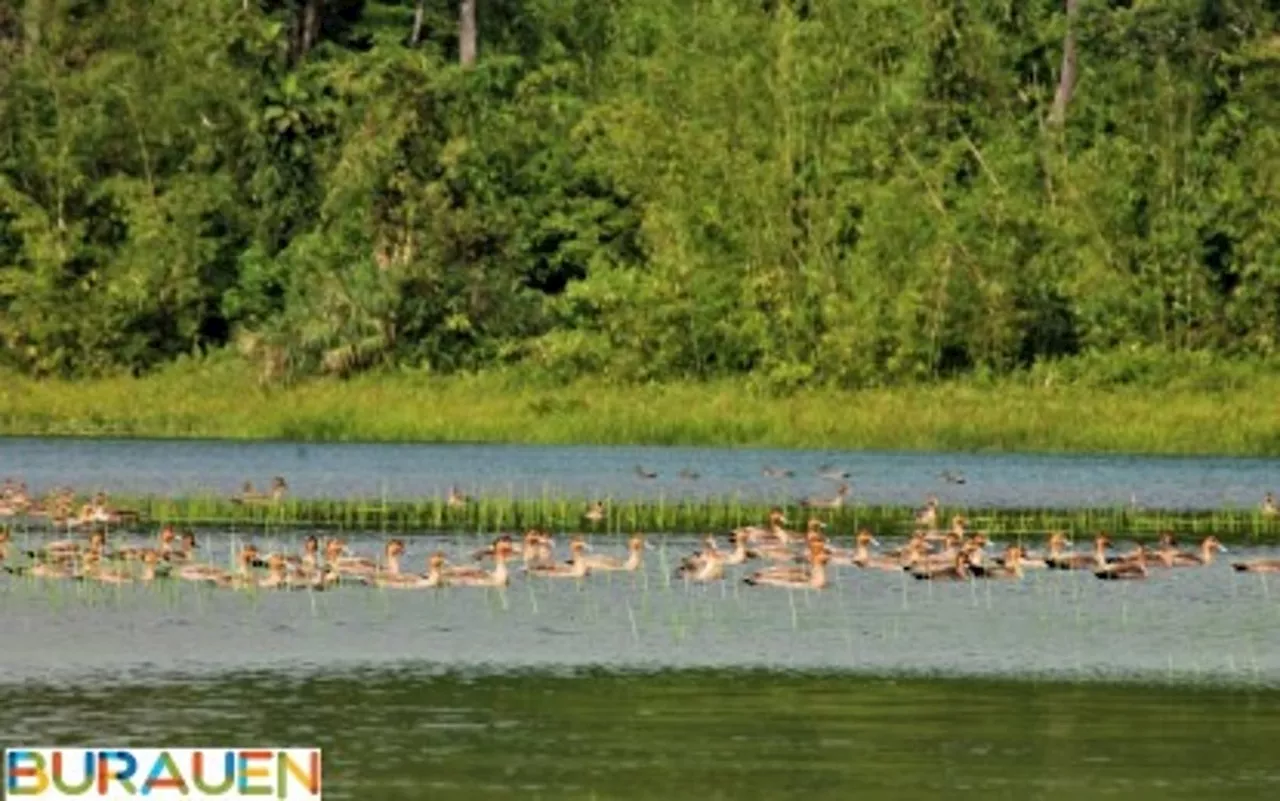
{"type": "Point", "coordinates": [493, 514]}
{"type": "Point", "coordinates": [1207, 411]}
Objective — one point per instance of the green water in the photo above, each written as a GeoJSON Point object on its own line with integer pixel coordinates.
{"type": "Point", "coordinates": [693, 734]}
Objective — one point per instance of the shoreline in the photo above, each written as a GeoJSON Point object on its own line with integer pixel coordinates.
{"type": "Point", "coordinates": [223, 401]}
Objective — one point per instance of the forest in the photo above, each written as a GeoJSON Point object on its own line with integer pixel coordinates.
{"type": "Point", "coordinates": [835, 193]}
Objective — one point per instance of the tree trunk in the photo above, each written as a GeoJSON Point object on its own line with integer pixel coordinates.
{"type": "Point", "coordinates": [310, 25]}
{"type": "Point", "coordinates": [1067, 79]}
{"type": "Point", "coordinates": [419, 11]}
{"type": "Point", "coordinates": [467, 32]}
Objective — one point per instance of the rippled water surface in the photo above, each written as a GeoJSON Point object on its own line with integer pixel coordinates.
{"type": "Point", "coordinates": [409, 734]}
{"type": "Point", "coordinates": [345, 470]}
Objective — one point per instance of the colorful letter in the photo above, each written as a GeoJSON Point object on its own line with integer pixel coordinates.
{"type": "Point", "coordinates": [228, 773]}
{"type": "Point", "coordinates": [309, 779]}
{"type": "Point", "coordinates": [246, 772]}
{"type": "Point", "coordinates": [122, 776]}
{"type": "Point", "coordinates": [14, 770]}
{"type": "Point", "coordinates": [60, 775]}
{"type": "Point", "coordinates": [164, 764]}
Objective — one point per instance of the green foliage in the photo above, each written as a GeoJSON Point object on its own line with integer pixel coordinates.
{"type": "Point", "coordinates": [818, 193]}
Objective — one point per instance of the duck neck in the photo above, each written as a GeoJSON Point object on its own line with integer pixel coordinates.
{"type": "Point", "coordinates": [633, 560]}
{"type": "Point", "coordinates": [393, 565]}
{"type": "Point", "coordinates": [499, 574]}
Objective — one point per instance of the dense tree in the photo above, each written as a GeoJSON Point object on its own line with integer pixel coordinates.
{"type": "Point", "coordinates": [820, 191]}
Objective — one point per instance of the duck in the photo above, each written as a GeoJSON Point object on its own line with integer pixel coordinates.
{"type": "Point", "coordinates": [1257, 566]}
{"type": "Point", "coordinates": [1202, 557]}
{"type": "Point", "coordinates": [248, 495]}
{"type": "Point", "coordinates": [957, 570]}
{"type": "Point", "coordinates": [814, 578]}
{"type": "Point", "coordinates": [769, 471]}
{"type": "Point", "coordinates": [498, 577]}
{"type": "Point", "coordinates": [364, 567]}
{"type": "Point", "coordinates": [834, 502]}
{"type": "Point", "coordinates": [832, 473]}
{"type": "Point", "coordinates": [4, 545]}
{"type": "Point", "coordinates": [1126, 570]}
{"type": "Point", "coordinates": [862, 556]}
{"type": "Point", "coordinates": [1269, 506]}
{"type": "Point", "coordinates": [596, 513]}
{"type": "Point", "coordinates": [1079, 561]}
{"type": "Point", "coordinates": [795, 572]}
{"type": "Point", "coordinates": [780, 550]}
{"type": "Point", "coordinates": [703, 566]}
{"type": "Point", "coordinates": [635, 555]}
{"type": "Point", "coordinates": [1009, 565]}
{"type": "Point", "coordinates": [773, 532]}
{"type": "Point", "coordinates": [309, 559]}
{"type": "Point", "coordinates": [434, 576]}
{"type": "Point", "coordinates": [456, 499]}
{"type": "Point", "coordinates": [218, 575]}
{"type": "Point", "coordinates": [689, 475]}
{"type": "Point", "coordinates": [644, 474]}
{"type": "Point", "coordinates": [927, 515]}
{"type": "Point", "coordinates": [1057, 543]}
{"type": "Point", "coordinates": [739, 555]}
{"type": "Point", "coordinates": [575, 568]}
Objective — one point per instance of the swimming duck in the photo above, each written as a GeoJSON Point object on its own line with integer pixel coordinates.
{"type": "Point", "coordinates": [863, 557]}
{"type": "Point", "coordinates": [248, 495]}
{"type": "Point", "coordinates": [408, 581]}
{"type": "Point", "coordinates": [1079, 561]}
{"type": "Point", "coordinates": [456, 498]}
{"type": "Point", "coordinates": [1009, 567]}
{"type": "Point", "coordinates": [596, 513]}
{"type": "Point", "coordinates": [635, 555]}
{"type": "Point", "coordinates": [703, 566]}
{"type": "Point", "coordinates": [1257, 566]}
{"type": "Point", "coordinates": [769, 471]}
{"type": "Point", "coordinates": [832, 473]}
{"type": "Point", "coordinates": [927, 515]}
{"type": "Point", "coordinates": [815, 578]}
{"type": "Point", "coordinates": [1126, 570]}
{"type": "Point", "coordinates": [772, 533]}
{"type": "Point", "coordinates": [958, 570]}
{"type": "Point", "coordinates": [1202, 557]}
{"type": "Point", "coordinates": [576, 568]}
{"type": "Point", "coordinates": [1057, 544]}
{"type": "Point", "coordinates": [207, 573]}
{"type": "Point", "coordinates": [794, 572]}
{"type": "Point", "coordinates": [645, 474]}
{"type": "Point", "coordinates": [833, 502]}
{"type": "Point", "coordinates": [498, 577]}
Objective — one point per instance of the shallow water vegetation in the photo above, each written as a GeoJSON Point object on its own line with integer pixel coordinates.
{"type": "Point", "coordinates": [488, 514]}
{"type": "Point", "coordinates": [1044, 410]}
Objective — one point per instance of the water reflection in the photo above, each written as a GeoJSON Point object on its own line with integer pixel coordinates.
{"type": "Point", "coordinates": [412, 734]}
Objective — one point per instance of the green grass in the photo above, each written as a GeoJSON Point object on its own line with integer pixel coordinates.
{"type": "Point", "coordinates": [493, 514]}
{"type": "Point", "coordinates": [1209, 414]}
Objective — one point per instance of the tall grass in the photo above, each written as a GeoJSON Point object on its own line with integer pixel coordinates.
{"type": "Point", "coordinates": [1030, 412]}
{"type": "Point", "coordinates": [494, 514]}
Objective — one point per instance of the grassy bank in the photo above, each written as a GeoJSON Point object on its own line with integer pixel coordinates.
{"type": "Point", "coordinates": [1212, 414]}
{"type": "Point", "coordinates": [493, 514]}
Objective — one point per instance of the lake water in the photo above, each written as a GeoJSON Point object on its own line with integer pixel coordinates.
{"type": "Point", "coordinates": [642, 687]}
{"type": "Point", "coordinates": [168, 467]}
{"type": "Point", "coordinates": [416, 734]}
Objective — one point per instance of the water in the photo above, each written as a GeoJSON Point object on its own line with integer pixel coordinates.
{"type": "Point", "coordinates": [641, 687]}
{"type": "Point", "coordinates": [166, 467]}
{"type": "Point", "coordinates": [414, 734]}
{"type": "Point", "coordinates": [1190, 625]}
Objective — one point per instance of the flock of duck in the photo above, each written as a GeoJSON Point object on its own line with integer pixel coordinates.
{"type": "Point", "coordinates": [773, 555]}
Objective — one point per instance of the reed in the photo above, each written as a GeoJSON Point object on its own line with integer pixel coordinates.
{"type": "Point", "coordinates": [1019, 413]}
{"type": "Point", "coordinates": [712, 514]}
